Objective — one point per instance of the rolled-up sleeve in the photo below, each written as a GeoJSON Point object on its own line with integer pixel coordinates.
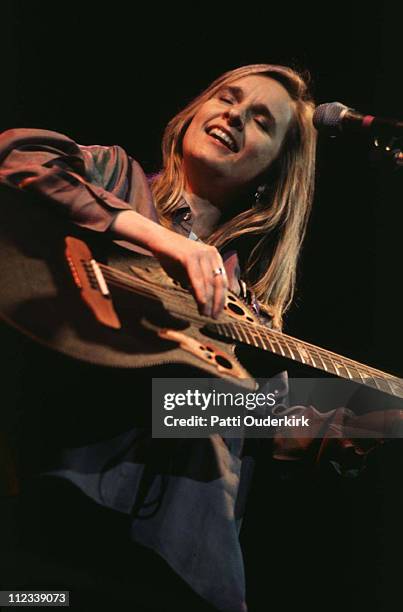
{"type": "Point", "coordinates": [88, 184]}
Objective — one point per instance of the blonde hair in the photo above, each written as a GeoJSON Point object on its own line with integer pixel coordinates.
{"type": "Point", "coordinates": [277, 223]}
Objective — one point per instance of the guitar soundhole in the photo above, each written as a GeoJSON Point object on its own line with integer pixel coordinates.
{"type": "Point", "coordinates": [208, 350]}
{"type": "Point", "coordinates": [236, 309]}
{"type": "Point", "coordinates": [222, 361]}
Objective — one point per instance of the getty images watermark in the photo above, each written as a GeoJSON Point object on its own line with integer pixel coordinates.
{"type": "Point", "coordinates": [196, 408]}
{"type": "Point", "coordinates": [217, 400]}
{"type": "Point", "coordinates": [199, 407]}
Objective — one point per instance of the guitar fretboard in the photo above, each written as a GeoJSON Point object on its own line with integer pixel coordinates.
{"type": "Point", "coordinates": [311, 355]}
{"type": "Point", "coordinates": [279, 343]}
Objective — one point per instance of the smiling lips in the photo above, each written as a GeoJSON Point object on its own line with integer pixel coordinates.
{"type": "Point", "coordinates": [223, 136]}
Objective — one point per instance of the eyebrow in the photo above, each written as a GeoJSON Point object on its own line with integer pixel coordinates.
{"type": "Point", "coordinates": [239, 94]}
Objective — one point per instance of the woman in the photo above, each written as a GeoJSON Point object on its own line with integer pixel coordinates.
{"type": "Point", "coordinates": [258, 187]}
{"type": "Point", "coordinates": [237, 176]}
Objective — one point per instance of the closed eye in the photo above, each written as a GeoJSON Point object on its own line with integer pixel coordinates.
{"type": "Point", "coordinates": [226, 100]}
{"type": "Point", "coordinates": [262, 124]}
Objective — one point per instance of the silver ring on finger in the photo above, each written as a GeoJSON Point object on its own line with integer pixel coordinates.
{"type": "Point", "coordinates": [218, 272]}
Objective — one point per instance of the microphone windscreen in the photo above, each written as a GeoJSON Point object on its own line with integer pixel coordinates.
{"type": "Point", "coordinates": [328, 115]}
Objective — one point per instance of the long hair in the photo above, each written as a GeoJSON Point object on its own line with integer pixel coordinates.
{"type": "Point", "coordinates": [274, 227]}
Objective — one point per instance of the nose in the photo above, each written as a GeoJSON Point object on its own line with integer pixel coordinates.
{"type": "Point", "coordinates": [235, 117]}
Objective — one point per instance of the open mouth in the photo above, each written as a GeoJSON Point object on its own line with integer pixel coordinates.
{"type": "Point", "coordinates": [223, 137]}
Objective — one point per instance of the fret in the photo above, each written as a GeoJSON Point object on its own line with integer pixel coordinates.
{"type": "Point", "coordinates": [336, 368]}
{"type": "Point", "coordinates": [275, 346]}
{"type": "Point", "coordinates": [367, 377]}
{"type": "Point", "coordinates": [243, 333]}
{"type": "Point", "coordinates": [285, 348]}
{"type": "Point", "coordinates": [371, 382]}
{"type": "Point", "coordinates": [348, 372]}
{"type": "Point", "coordinates": [396, 386]}
{"type": "Point", "coordinates": [249, 335]}
{"type": "Point", "coordinates": [222, 329]}
{"type": "Point", "coordinates": [352, 369]}
{"type": "Point", "coordinates": [361, 375]}
{"type": "Point", "coordinates": [234, 327]}
{"type": "Point", "coordinates": [288, 347]}
{"type": "Point", "coordinates": [289, 350]}
{"type": "Point", "coordinates": [378, 383]}
{"type": "Point", "coordinates": [383, 384]}
{"type": "Point", "coordinates": [251, 338]}
{"type": "Point", "coordinates": [227, 330]}
{"type": "Point", "coordinates": [262, 339]}
{"type": "Point", "coordinates": [342, 370]}
{"type": "Point", "coordinates": [265, 341]}
{"type": "Point", "coordinates": [330, 366]}
{"type": "Point", "coordinates": [279, 349]}
{"type": "Point", "coordinates": [304, 354]}
{"type": "Point", "coordinates": [310, 360]}
{"type": "Point", "coordinates": [297, 350]}
{"type": "Point", "coordinates": [320, 357]}
{"type": "Point", "coordinates": [257, 340]}
{"type": "Point", "coordinates": [374, 380]}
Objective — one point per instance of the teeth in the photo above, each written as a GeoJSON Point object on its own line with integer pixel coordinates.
{"type": "Point", "coordinates": [223, 136]}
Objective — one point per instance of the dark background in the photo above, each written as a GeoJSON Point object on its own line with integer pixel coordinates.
{"type": "Point", "coordinates": [112, 74]}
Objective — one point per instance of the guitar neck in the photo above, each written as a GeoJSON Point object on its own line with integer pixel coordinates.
{"type": "Point", "coordinates": [311, 355]}
{"type": "Point", "coordinates": [303, 352]}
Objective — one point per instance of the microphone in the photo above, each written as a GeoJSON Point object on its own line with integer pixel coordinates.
{"type": "Point", "coordinates": [334, 118]}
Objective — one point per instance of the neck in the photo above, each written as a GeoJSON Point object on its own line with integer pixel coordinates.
{"type": "Point", "coordinates": [205, 214]}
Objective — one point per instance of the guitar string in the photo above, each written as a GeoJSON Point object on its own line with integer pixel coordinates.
{"type": "Point", "coordinates": [317, 351]}
{"type": "Point", "coordinates": [267, 333]}
{"type": "Point", "coordinates": [371, 377]}
{"type": "Point", "coordinates": [130, 283]}
{"type": "Point", "coordinates": [127, 282]}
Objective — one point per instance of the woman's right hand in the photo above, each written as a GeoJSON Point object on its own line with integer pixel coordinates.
{"type": "Point", "coordinates": [193, 264]}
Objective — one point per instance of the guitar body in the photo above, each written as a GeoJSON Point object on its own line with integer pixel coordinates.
{"type": "Point", "coordinates": [40, 298]}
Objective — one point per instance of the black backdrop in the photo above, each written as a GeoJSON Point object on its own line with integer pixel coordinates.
{"type": "Point", "coordinates": [114, 74]}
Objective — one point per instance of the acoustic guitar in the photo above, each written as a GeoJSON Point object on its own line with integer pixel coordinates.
{"type": "Point", "coordinates": [69, 289]}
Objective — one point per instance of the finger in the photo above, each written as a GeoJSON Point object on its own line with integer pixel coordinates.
{"type": "Point", "coordinates": [207, 267]}
{"type": "Point", "coordinates": [220, 290]}
{"type": "Point", "coordinates": [216, 283]}
{"type": "Point", "coordinates": [198, 284]}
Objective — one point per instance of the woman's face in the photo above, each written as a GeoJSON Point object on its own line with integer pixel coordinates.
{"type": "Point", "coordinates": [235, 136]}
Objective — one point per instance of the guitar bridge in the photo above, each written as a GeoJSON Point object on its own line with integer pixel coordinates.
{"type": "Point", "coordinates": [99, 280]}
{"type": "Point", "coordinates": [88, 277]}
